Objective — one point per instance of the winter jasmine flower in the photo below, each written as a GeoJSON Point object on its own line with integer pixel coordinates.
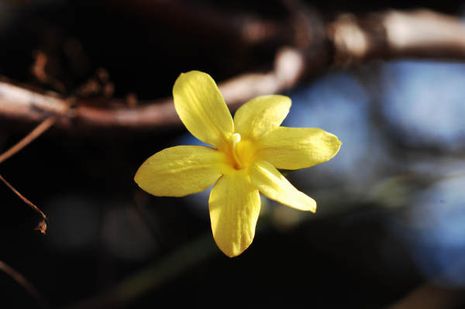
{"type": "Point", "coordinates": [242, 160]}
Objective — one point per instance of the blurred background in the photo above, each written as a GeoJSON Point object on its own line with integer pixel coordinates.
{"type": "Point", "coordinates": [390, 229]}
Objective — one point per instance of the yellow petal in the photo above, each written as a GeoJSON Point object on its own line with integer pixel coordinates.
{"type": "Point", "coordinates": [201, 107]}
{"type": "Point", "coordinates": [180, 170]}
{"type": "Point", "coordinates": [295, 148]}
{"type": "Point", "coordinates": [234, 209]}
{"type": "Point", "coordinates": [275, 186]}
{"type": "Point", "coordinates": [260, 115]}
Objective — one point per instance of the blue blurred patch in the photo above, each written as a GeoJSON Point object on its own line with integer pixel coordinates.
{"type": "Point", "coordinates": [188, 139]}
{"type": "Point", "coordinates": [338, 103]}
{"type": "Point", "coordinates": [424, 102]}
{"type": "Point", "coordinates": [434, 230]}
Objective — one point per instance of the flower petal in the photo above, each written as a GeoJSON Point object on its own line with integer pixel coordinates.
{"type": "Point", "coordinates": [234, 209]}
{"type": "Point", "coordinates": [275, 186]}
{"type": "Point", "coordinates": [295, 148]}
{"type": "Point", "coordinates": [180, 170]}
{"type": "Point", "coordinates": [201, 107]}
{"type": "Point", "coordinates": [259, 115]}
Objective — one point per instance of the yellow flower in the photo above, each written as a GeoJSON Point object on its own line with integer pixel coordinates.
{"type": "Point", "coordinates": [243, 160]}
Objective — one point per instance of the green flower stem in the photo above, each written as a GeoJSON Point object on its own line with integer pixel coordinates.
{"type": "Point", "coordinates": [155, 275]}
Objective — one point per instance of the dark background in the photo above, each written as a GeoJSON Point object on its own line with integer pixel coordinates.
{"type": "Point", "coordinates": [366, 247]}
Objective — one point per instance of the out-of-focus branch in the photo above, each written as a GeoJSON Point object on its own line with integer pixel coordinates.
{"type": "Point", "coordinates": [347, 40]}
{"type": "Point", "coordinates": [396, 34]}
{"type": "Point", "coordinates": [24, 104]}
{"type": "Point", "coordinates": [155, 275]}
{"type": "Point", "coordinates": [24, 283]}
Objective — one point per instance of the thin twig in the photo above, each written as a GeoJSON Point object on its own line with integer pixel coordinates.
{"type": "Point", "coordinates": [42, 225]}
{"type": "Point", "coordinates": [38, 131]}
{"type": "Point", "coordinates": [24, 283]}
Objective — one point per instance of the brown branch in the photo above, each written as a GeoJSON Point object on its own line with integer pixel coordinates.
{"type": "Point", "coordinates": [24, 283]}
{"type": "Point", "coordinates": [24, 104]}
{"type": "Point", "coordinates": [42, 225]}
{"type": "Point", "coordinates": [38, 131]}
{"type": "Point", "coordinates": [396, 34]}
{"type": "Point", "coordinates": [347, 40]}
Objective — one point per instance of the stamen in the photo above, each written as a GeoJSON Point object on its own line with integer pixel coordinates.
{"type": "Point", "coordinates": [235, 139]}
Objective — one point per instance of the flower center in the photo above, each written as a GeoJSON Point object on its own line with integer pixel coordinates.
{"type": "Point", "coordinates": [241, 152]}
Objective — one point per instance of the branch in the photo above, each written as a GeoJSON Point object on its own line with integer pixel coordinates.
{"type": "Point", "coordinates": [42, 225]}
{"type": "Point", "coordinates": [348, 40]}
{"type": "Point", "coordinates": [396, 34]}
{"type": "Point", "coordinates": [35, 133]}
{"type": "Point", "coordinates": [24, 104]}
{"type": "Point", "coordinates": [29, 138]}
{"type": "Point", "coordinates": [153, 276]}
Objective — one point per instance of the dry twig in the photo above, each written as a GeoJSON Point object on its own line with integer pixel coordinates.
{"type": "Point", "coordinates": [42, 225]}
{"type": "Point", "coordinates": [35, 133]}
